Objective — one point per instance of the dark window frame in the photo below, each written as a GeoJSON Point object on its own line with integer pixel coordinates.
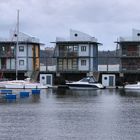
{"type": "Point", "coordinates": [21, 48]}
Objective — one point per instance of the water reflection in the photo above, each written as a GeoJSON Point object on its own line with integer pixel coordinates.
{"type": "Point", "coordinates": [75, 93]}
{"type": "Point", "coordinates": [72, 115]}
{"type": "Point", "coordinates": [35, 98]}
{"type": "Point", "coordinates": [130, 93]}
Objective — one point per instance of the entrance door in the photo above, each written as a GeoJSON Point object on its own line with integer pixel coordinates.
{"type": "Point", "coordinates": [49, 79]}
{"type": "Point", "coordinates": [111, 80]}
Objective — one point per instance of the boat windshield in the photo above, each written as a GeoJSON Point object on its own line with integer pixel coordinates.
{"type": "Point", "coordinates": [88, 79]}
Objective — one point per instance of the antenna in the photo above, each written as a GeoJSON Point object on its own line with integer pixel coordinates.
{"type": "Point", "coordinates": [17, 35]}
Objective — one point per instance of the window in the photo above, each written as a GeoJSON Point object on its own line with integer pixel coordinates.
{"type": "Point", "coordinates": [3, 48]}
{"type": "Point", "coordinates": [105, 78]}
{"type": "Point", "coordinates": [43, 77]}
{"type": "Point", "coordinates": [83, 48]}
{"type": "Point", "coordinates": [75, 49]}
{"type": "Point", "coordinates": [83, 62]}
{"type": "Point", "coordinates": [21, 48]}
{"type": "Point", "coordinates": [75, 35]}
{"type": "Point", "coordinates": [74, 64]}
{"type": "Point", "coordinates": [21, 62]}
{"type": "Point", "coordinates": [70, 48]}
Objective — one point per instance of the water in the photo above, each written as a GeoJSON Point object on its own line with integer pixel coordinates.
{"type": "Point", "coordinates": [108, 114]}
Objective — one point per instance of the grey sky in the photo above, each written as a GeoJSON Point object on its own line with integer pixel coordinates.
{"type": "Point", "coordinates": [104, 19]}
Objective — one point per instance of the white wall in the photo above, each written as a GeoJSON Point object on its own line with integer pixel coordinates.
{"type": "Point", "coordinates": [83, 68]}
{"type": "Point", "coordinates": [42, 68]}
{"type": "Point", "coordinates": [30, 51]}
{"type": "Point", "coordinates": [109, 67]}
{"type": "Point", "coordinates": [91, 64]}
{"type": "Point", "coordinates": [30, 64]}
{"type": "Point", "coordinates": [23, 56]}
{"type": "Point", "coordinates": [13, 64]}
{"type": "Point", "coordinates": [22, 67]}
{"type": "Point", "coordinates": [30, 60]}
{"type": "Point", "coordinates": [84, 53]}
{"type": "Point", "coordinates": [135, 34]}
{"type": "Point", "coordinates": [80, 36]}
{"type": "Point", "coordinates": [51, 68]}
{"type": "Point", "coordinates": [91, 51]}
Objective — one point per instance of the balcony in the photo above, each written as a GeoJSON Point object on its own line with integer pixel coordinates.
{"type": "Point", "coordinates": [6, 54]}
{"type": "Point", "coordinates": [131, 68]}
{"type": "Point", "coordinates": [130, 54]}
{"type": "Point", "coordinates": [67, 54]}
{"type": "Point", "coordinates": [67, 68]}
{"type": "Point", "coordinates": [4, 68]}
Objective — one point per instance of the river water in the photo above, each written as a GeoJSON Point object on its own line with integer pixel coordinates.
{"type": "Point", "coordinates": [110, 114]}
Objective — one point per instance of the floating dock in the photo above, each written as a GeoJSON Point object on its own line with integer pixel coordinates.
{"type": "Point", "coordinates": [8, 94]}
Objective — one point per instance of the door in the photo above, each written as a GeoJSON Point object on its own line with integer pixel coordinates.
{"type": "Point", "coordinates": [111, 80]}
{"type": "Point", "coordinates": [49, 79]}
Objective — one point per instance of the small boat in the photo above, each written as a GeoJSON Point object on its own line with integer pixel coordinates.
{"type": "Point", "coordinates": [85, 83]}
{"type": "Point", "coordinates": [132, 86]}
{"type": "Point", "coordinates": [22, 84]}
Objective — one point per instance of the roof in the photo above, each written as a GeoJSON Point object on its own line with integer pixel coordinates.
{"type": "Point", "coordinates": [132, 42]}
{"type": "Point", "coordinates": [22, 38]}
{"type": "Point", "coordinates": [77, 37]}
{"type": "Point", "coordinates": [77, 42]}
{"type": "Point", "coordinates": [20, 42]}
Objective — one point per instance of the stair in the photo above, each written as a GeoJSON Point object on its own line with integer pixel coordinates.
{"type": "Point", "coordinates": [34, 76]}
{"type": "Point", "coordinates": [96, 75]}
{"type": "Point", "coordinates": [1, 75]}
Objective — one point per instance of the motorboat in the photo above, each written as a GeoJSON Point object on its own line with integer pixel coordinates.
{"type": "Point", "coordinates": [22, 84]}
{"type": "Point", "coordinates": [85, 83]}
{"type": "Point", "coordinates": [132, 86]}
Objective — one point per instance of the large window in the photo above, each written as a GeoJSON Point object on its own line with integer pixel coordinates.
{"type": "Point", "coordinates": [67, 64]}
{"type": "Point", "coordinates": [72, 51]}
{"type": "Point", "coordinates": [60, 64]}
{"type": "Point", "coordinates": [75, 48]}
{"type": "Point", "coordinates": [68, 50]}
{"type": "Point", "coordinates": [74, 64]}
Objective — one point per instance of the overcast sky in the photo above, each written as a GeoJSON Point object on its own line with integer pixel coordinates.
{"type": "Point", "coordinates": [46, 19]}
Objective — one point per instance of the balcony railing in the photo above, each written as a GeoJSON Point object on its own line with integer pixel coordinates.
{"type": "Point", "coordinates": [6, 54]}
{"type": "Point", "coordinates": [4, 68]}
{"type": "Point", "coordinates": [67, 54]}
{"type": "Point", "coordinates": [67, 69]}
{"type": "Point", "coordinates": [134, 68]}
{"type": "Point", "coordinates": [132, 53]}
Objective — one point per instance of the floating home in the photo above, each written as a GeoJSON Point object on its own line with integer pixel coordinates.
{"type": "Point", "coordinates": [28, 56]}
{"type": "Point", "coordinates": [129, 50]}
{"type": "Point", "coordinates": [76, 56]}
